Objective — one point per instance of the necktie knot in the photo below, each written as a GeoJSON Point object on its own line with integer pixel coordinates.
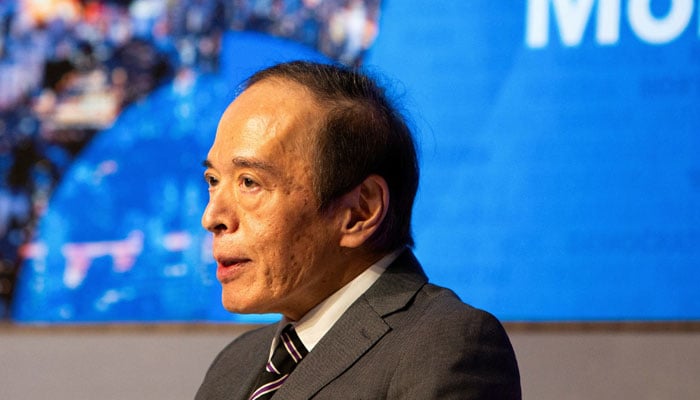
{"type": "Point", "coordinates": [287, 354]}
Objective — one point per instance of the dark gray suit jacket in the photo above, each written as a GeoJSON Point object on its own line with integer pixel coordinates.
{"type": "Point", "coordinates": [403, 339]}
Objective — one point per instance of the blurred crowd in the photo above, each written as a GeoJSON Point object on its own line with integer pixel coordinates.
{"type": "Point", "coordinates": [69, 67]}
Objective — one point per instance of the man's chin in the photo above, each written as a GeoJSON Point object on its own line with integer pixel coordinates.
{"type": "Point", "coordinates": [237, 306]}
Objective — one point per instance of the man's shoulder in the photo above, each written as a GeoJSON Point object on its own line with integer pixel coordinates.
{"type": "Point", "coordinates": [450, 330]}
{"type": "Point", "coordinates": [435, 305]}
{"type": "Point", "coordinates": [445, 299]}
{"type": "Point", "coordinates": [433, 331]}
{"type": "Point", "coordinates": [405, 293]}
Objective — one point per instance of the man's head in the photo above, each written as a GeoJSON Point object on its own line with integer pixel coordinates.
{"type": "Point", "coordinates": [312, 178]}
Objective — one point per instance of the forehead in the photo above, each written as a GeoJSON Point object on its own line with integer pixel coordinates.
{"type": "Point", "coordinates": [275, 118]}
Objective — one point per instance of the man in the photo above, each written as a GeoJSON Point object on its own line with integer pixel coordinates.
{"type": "Point", "coordinates": [312, 177]}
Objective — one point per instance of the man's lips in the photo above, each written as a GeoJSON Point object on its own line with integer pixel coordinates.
{"type": "Point", "coordinates": [228, 268]}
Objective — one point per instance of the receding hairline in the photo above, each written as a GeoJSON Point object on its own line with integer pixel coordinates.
{"type": "Point", "coordinates": [319, 104]}
{"type": "Point", "coordinates": [282, 81]}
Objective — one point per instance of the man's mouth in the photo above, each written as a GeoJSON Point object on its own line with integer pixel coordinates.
{"type": "Point", "coordinates": [231, 262]}
{"type": "Point", "coordinates": [228, 268]}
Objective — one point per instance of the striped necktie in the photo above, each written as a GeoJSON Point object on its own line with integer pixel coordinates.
{"type": "Point", "coordinates": [289, 351]}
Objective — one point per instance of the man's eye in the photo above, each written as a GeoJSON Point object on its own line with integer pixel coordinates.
{"type": "Point", "coordinates": [248, 183]}
{"type": "Point", "coordinates": [211, 181]}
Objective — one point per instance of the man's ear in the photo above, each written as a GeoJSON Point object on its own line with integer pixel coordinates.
{"type": "Point", "coordinates": [364, 209]}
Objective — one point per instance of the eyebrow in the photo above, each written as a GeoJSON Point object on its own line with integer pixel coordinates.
{"type": "Point", "coordinates": [243, 162]}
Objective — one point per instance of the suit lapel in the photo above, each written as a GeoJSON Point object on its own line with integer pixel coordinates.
{"type": "Point", "coordinates": [338, 350]}
{"type": "Point", "coordinates": [357, 330]}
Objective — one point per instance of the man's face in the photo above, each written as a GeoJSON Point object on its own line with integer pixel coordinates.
{"type": "Point", "coordinates": [275, 251]}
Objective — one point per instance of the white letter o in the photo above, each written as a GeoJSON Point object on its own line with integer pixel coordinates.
{"type": "Point", "coordinates": [659, 31]}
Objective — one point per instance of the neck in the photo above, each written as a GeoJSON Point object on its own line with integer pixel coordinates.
{"type": "Point", "coordinates": [354, 263]}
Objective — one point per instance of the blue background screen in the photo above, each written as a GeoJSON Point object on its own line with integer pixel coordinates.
{"type": "Point", "coordinates": [560, 153]}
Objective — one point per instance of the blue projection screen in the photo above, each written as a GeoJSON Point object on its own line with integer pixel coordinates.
{"type": "Point", "coordinates": [559, 144]}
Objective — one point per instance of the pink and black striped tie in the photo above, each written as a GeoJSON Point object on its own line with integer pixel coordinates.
{"type": "Point", "coordinates": [287, 355]}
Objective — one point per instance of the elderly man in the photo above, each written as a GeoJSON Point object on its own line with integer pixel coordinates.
{"type": "Point", "coordinates": [312, 177]}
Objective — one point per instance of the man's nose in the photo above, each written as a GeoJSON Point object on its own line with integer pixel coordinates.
{"type": "Point", "coordinates": [219, 215]}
